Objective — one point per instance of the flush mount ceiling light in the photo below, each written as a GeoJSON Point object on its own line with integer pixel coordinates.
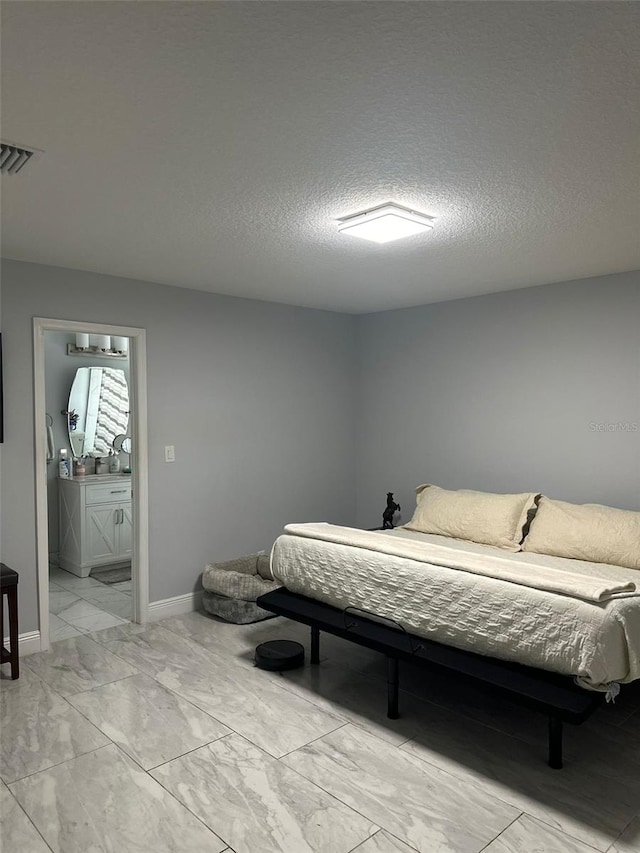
{"type": "Point", "coordinates": [385, 223]}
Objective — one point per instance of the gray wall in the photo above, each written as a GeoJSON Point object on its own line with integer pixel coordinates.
{"type": "Point", "coordinates": [60, 371]}
{"type": "Point", "coordinates": [505, 392]}
{"type": "Point", "coordinates": [256, 397]}
{"type": "Point", "coordinates": [282, 414]}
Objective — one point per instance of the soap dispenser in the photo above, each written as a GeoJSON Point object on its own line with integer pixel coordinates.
{"type": "Point", "coordinates": [64, 465]}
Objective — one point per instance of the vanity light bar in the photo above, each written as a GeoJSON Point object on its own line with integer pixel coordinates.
{"type": "Point", "coordinates": [99, 346]}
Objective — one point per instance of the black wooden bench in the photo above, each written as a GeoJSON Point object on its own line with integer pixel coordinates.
{"type": "Point", "coordinates": [555, 695]}
{"type": "Point", "coordinates": [9, 587]}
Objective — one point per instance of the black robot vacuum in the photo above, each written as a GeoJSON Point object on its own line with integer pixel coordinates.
{"type": "Point", "coordinates": [279, 655]}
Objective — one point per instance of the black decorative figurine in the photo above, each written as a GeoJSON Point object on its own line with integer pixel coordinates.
{"type": "Point", "coordinates": [387, 515]}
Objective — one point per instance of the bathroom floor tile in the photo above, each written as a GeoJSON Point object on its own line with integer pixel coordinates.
{"type": "Point", "coordinates": [117, 632]}
{"type": "Point", "coordinates": [103, 802]}
{"type": "Point", "coordinates": [61, 630]}
{"type": "Point", "coordinates": [123, 609]}
{"type": "Point", "coordinates": [78, 664]}
{"type": "Point", "coordinates": [39, 728]}
{"type": "Point", "coordinates": [151, 724]}
{"type": "Point", "coordinates": [78, 609]}
{"type": "Point", "coordinates": [98, 622]}
{"type": "Point", "coordinates": [71, 582]}
{"type": "Point", "coordinates": [61, 599]}
{"type": "Point", "coordinates": [110, 601]}
{"type": "Point", "coordinates": [257, 804]}
{"type": "Point", "coordinates": [98, 594]}
{"type": "Point", "coordinates": [55, 573]}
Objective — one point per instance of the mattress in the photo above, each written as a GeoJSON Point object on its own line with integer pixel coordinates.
{"type": "Point", "coordinates": [586, 625]}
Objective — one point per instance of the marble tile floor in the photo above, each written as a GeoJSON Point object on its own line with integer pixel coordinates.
{"type": "Point", "coordinates": [166, 738]}
{"type": "Point", "coordinates": [83, 605]}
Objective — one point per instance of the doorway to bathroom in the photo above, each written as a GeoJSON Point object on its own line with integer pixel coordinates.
{"type": "Point", "coordinates": [91, 480]}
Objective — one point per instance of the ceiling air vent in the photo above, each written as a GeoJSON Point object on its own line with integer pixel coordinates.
{"type": "Point", "coordinates": [14, 157]}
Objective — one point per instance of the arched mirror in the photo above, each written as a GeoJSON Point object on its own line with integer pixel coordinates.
{"type": "Point", "coordinates": [98, 410]}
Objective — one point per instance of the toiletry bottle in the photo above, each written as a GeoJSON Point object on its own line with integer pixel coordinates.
{"type": "Point", "coordinates": [99, 465]}
{"type": "Point", "coordinates": [114, 464]}
{"type": "Point", "coordinates": [64, 465]}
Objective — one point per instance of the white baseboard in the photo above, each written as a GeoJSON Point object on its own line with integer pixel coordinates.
{"type": "Point", "coordinates": [175, 606]}
{"type": "Point", "coordinates": [27, 643]}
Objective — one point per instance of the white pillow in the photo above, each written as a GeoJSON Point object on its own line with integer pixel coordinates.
{"type": "Point", "coordinates": [599, 534]}
{"type": "Point", "coordinates": [476, 516]}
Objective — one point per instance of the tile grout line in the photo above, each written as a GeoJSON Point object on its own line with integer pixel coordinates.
{"type": "Point", "coordinates": [309, 742]}
{"type": "Point", "coordinates": [162, 687]}
{"type": "Point", "coordinates": [502, 831]}
{"type": "Point", "coordinates": [142, 770]}
{"type": "Point", "coordinates": [461, 777]}
{"type": "Point", "coordinates": [270, 757]}
{"type": "Point", "coordinates": [26, 814]}
{"type": "Point", "coordinates": [122, 750]}
{"type": "Point", "coordinates": [227, 659]}
{"type": "Point", "coordinates": [59, 764]}
{"type": "Point", "coordinates": [101, 646]}
{"type": "Point", "coordinates": [416, 697]}
{"type": "Point", "coordinates": [476, 784]}
{"type": "Point", "coordinates": [224, 660]}
{"type": "Point", "coordinates": [189, 752]}
{"type": "Point", "coordinates": [81, 629]}
{"type": "Point", "coordinates": [450, 775]}
{"type": "Point", "coordinates": [564, 832]}
{"type": "Point", "coordinates": [329, 793]}
{"type": "Point", "coordinates": [184, 806]}
{"type": "Point", "coordinates": [373, 835]}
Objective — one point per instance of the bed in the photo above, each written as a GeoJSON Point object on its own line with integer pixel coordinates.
{"type": "Point", "coordinates": [578, 618]}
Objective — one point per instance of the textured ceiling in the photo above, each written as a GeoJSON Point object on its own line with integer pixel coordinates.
{"type": "Point", "coordinates": [211, 145]}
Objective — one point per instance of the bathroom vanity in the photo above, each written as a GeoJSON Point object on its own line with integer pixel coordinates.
{"type": "Point", "coordinates": [95, 522]}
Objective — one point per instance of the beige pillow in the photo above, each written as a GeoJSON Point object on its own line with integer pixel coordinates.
{"type": "Point", "coordinates": [476, 516]}
{"type": "Point", "coordinates": [600, 534]}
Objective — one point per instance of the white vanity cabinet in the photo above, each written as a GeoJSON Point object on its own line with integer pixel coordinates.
{"type": "Point", "coordinates": [94, 522]}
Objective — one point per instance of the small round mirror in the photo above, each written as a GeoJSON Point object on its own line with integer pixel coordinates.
{"type": "Point", "coordinates": [122, 443]}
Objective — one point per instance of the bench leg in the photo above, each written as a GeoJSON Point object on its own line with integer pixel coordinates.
{"type": "Point", "coordinates": [13, 630]}
{"type": "Point", "coordinates": [2, 594]}
{"type": "Point", "coordinates": [555, 742]}
{"type": "Point", "coordinates": [393, 681]}
{"type": "Point", "coordinates": [315, 644]}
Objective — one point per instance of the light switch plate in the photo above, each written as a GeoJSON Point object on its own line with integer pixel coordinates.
{"type": "Point", "coordinates": [169, 453]}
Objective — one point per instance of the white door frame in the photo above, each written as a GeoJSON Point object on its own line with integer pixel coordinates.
{"type": "Point", "coordinates": [140, 466]}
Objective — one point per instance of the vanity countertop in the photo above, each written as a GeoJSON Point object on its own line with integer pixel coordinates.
{"type": "Point", "coordinates": [102, 478]}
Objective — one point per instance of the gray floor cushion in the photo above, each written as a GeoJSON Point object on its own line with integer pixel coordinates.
{"type": "Point", "coordinates": [231, 588]}
{"type": "Point", "coordinates": [234, 609]}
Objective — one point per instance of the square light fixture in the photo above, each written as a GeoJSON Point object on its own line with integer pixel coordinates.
{"type": "Point", "coordinates": [385, 223]}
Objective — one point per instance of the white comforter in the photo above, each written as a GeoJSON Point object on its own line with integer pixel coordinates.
{"type": "Point", "coordinates": [583, 621]}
